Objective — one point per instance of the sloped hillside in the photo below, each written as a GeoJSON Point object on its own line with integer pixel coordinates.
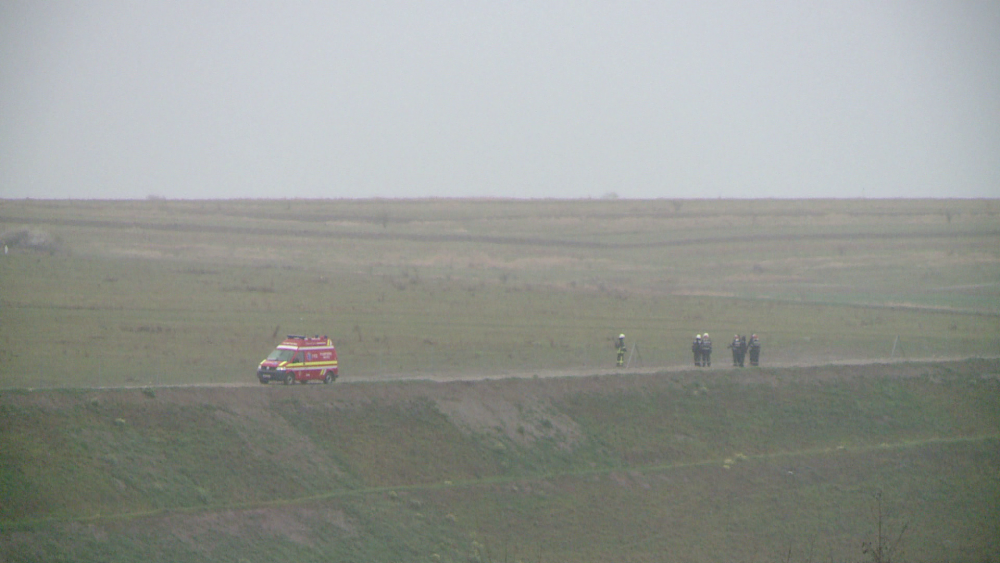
{"type": "Point", "coordinates": [679, 466]}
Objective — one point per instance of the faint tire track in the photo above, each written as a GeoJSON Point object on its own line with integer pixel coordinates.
{"type": "Point", "coordinates": [491, 239]}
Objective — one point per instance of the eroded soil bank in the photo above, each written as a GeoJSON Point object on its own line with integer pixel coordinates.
{"type": "Point", "coordinates": [704, 465]}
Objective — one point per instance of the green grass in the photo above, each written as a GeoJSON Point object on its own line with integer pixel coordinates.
{"type": "Point", "coordinates": [584, 469]}
{"type": "Point", "coordinates": [659, 465]}
{"type": "Point", "coordinates": [183, 292]}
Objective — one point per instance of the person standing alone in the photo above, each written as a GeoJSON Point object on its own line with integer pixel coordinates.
{"type": "Point", "coordinates": [620, 345]}
{"type": "Point", "coordinates": [735, 347]}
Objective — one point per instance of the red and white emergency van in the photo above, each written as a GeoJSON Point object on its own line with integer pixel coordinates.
{"type": "Point", "coordinates": [300, 358]}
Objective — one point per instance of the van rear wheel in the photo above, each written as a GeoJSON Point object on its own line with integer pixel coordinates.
{"type": "Point", "coordinates": [290, 378]}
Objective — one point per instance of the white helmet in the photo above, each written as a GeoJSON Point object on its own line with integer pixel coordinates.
{"type": "Point", "coordinates": [698, 336]}
{"type": "Point", "coordinates": [705, 335]}
{"type": "Point", "coordinates": [621, 336]}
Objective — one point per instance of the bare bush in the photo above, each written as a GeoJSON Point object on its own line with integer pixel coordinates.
{"type": "Point", "coordinates": [882, 548]}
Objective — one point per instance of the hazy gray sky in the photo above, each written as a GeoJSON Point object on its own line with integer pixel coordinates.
{"type": "Point", "coordinates": [450, 98]}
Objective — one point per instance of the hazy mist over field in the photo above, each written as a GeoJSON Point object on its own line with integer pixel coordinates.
{"type": "Point", "coordinates": [484, 99]}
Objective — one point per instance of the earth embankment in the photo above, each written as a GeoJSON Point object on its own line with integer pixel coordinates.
{"type": "Point", "coordinates": [713, 464]}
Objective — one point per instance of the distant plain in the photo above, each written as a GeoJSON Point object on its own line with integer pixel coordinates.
{"type": "Point", "coordinates": [174, 292]}
{"type": "Point", "coordinates": [480, 416]}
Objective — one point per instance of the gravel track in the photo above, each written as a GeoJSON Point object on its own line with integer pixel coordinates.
{"type": "Point", "coordinates": [791, 371]}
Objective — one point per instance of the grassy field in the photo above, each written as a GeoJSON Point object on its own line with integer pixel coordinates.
{"type": "Point", "coordinates": [782, 464]}
{"type": "Point", "coordinates": [163, 292]}
{"type": "Point", "coordinates": [107, 306]}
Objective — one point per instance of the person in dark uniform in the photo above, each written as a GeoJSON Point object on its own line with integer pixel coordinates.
{"type": "Point", "coordinates": [743, 349]}
{"type": "Point", "coordinates": [754, 348]}
{"type": "Point", "coordinates": [620, 346]}
{"type": "Point", "coordinates": [706, 351]}
{"type": "Point", "coordinates": [696, 349]}
{"type": "Point", "coordinates": [735, 347]}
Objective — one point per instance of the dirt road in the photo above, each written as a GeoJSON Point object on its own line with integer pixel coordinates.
{"type": "Point", "coordinates": [787, 372]}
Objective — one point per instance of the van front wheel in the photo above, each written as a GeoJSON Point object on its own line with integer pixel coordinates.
{"type": "Point", "coordinates": [290, 378]}
{"type": "Point", "coordinates": [329, 378]}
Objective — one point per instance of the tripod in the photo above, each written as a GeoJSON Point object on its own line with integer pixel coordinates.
{"type": "Point", "coordinates": [634, 353]}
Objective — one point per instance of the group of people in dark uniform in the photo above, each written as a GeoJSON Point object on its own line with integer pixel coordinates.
{"type": "Point", "coordinates": [702, 349]}
{"type": "Point", "coordinates": [741, 347]}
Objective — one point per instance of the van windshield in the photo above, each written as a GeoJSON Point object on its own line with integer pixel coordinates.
{"type": "Point", "coordinates": [281, 355]}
